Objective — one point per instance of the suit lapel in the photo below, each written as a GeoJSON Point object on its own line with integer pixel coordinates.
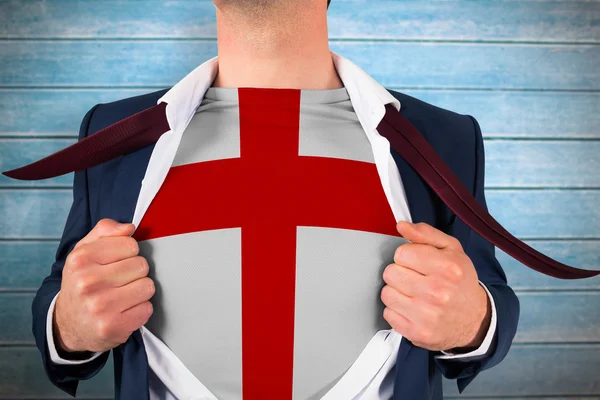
{"type": "Point", "coordinates": [121, 178]}
{"type": "Point", "coordinates": [127, 184]}
{"type": "Point", "coordinates": [413, 364]}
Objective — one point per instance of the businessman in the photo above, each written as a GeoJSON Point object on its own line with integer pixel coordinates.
{"type": "Point", "coordinates": [271, 245]}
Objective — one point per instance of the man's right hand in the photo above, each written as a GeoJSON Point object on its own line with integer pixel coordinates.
{"type": "Point", "coordinates": [104, 292]}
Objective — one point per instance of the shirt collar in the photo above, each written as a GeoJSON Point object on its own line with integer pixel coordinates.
{"type": "Point", "coordinates": [367, 96]}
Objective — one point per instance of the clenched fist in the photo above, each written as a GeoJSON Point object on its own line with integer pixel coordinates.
{"type": "Point", "coordinates": [104, 291]}
{"type": "Point", "coordinates": [433, 295]}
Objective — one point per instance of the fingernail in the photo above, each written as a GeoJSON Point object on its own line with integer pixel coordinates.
{"type": "Point", "coordinates": [122, 226]}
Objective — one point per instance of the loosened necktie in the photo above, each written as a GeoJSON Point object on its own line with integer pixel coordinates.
{"type": "Point", "coordinates": [418, 153]}
{"type": "Point", "coordinates": [146, 127]}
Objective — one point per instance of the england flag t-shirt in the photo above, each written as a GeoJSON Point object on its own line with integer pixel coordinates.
{"type": "Point", "coordinates": [267, 242]}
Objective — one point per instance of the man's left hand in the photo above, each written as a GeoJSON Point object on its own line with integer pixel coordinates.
{"type": "Point", "coordinates": [433, 296]}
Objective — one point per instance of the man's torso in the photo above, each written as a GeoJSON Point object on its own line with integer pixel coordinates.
{"type": "Point", "coordinates": [267, 242]}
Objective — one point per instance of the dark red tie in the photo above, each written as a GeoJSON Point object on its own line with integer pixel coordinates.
{"type": "Point", "coordinates": [418, 153]}
{"type": "Point", "coordinates": [145, 127]}
{"type": "Point", "coordinates": [125, 136]}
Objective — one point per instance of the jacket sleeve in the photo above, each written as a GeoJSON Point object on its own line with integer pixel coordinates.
{"type": "Point", "coordinates": [491, 274]}
{"type": "Point", "coordinates": [78, 224]}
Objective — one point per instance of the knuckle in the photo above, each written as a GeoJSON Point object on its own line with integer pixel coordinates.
{"type": "Point", "coordinates": [421, 226]}
{"type": "Point", "coordinates": [94, 306]}
{"type": "Point", "coordinates": [146, 288]}
{"type": "Point", "coordinates": [148, 309]}
{"type": "Point", "coordinates": [69, 261]}
{"type": "Point", "coordinates": [454, 241]}
{"type": "Point", "coordinates": [132, 244]}
{"type": "Point", "coordinates": [78, 257]}
{"type": "Point", "coordinates": [103, 329]}
{"type": "Point", "coordinates": [399, 253]}
{"type": "Point", "coordinates": [387, 296]}
{"type": "Point", "coordinates": [104, 223]}
{"type": "Point", "coordinates": [456, 271]}
{"type": "Point", "coordinates": [443, 297]}
{"type": "Point", "coordinates": [151, 287]}
{"type": "Point", "coordinates": [143, 266]}
{"type": "Point", "coordinates": [142, 315]}
{"type": "Point", "coordinates": [82, 285]}
{"type": "Point", "coordinates": [387, 315]}
{"type": "Point", "coordinates": [388, 273]}
{"type": "Point", "coordinates": [104, 228]}
{"type": "Point", "coordinates": [440, 294]}
{"type": "Point", "coordinates": [403, 252]}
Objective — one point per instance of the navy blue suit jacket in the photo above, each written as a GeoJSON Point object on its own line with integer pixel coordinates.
{"type": "Point", "coordinates": [111, 189]}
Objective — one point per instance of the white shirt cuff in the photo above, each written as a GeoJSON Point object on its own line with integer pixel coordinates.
{"type": "Point", "coordinates": [487, 341]}
{"type": "Point", "coordinates": [54, 357]}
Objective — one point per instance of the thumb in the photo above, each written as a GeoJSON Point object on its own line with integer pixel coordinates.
{"type": "Point", "coordinates": [423, 233]}
{"type": "Point", "coordinates": [107, 227]}
{"type": "Point", "coordinates": [406, 231]}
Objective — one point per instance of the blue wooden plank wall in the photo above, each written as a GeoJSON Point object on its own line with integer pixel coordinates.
{"type": "Point", "coordinates": [529, 71]}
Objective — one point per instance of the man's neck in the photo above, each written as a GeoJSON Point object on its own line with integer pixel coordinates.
{"type": "Point", "coordinates": [270, 52]}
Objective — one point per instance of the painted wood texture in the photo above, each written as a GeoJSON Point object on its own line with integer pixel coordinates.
{"type": "Point", "coordinates": [527, 70]}
{"type": "Point", "coordinates": [539, 370]}
{"type": "Point", "coordinates": [22, 376]}
{"type": "Point", "coordinates": [449, 65]}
